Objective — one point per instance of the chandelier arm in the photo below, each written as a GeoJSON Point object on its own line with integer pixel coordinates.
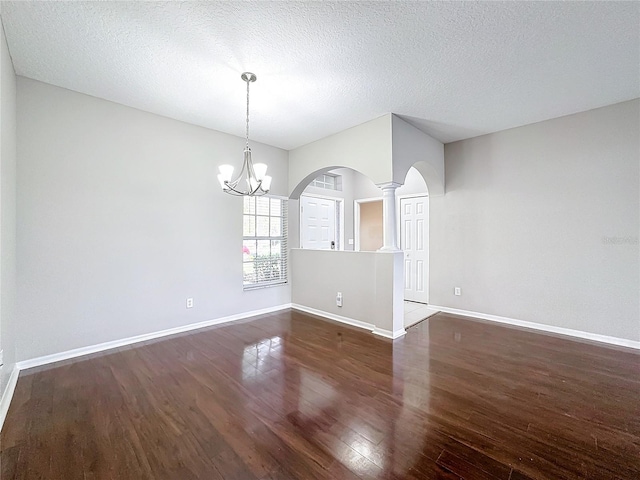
{"type": "Point", "coordinates": [237, 180]}
{"type": "Point", "coordinates": [258, 192]}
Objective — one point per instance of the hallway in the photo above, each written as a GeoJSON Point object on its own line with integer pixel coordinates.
{"type": "Point", "coordinates": [415, 312]}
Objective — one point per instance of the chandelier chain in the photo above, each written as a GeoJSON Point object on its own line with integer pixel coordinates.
{"type": "Point", "coordinates": [247, 133]}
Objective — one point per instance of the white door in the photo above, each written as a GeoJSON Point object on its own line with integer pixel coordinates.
{"type": "Point", "coordinates": [414, 239]}
{"type": "Point", "coordinates": [318, 223]}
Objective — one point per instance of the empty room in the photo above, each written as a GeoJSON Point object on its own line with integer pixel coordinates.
{"type": "Point", "coordinates": [281, 240]}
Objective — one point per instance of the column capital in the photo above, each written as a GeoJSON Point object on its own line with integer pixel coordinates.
{"type": "Point", "coordinates": [388, 185]}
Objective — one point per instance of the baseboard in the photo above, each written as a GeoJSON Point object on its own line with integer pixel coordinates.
{"type": "Point", "coordinates": [78, 352]}
{"type": "Point", "coordinates": [388, 333]}
{"type": "Point", "coordinates": [621, 342]}
{"type": "Point", "coordinates": [332, 316]}
{"type": "Point", "coordinates": [350, 321]}
{"type": "Point", "coordinates": [7, 395]}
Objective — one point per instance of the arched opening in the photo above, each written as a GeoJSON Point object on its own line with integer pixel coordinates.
{"type": "Point", "coordinates": [353, 287]}
{"type": "Point", "coordinates": [353, 221]}
{"type": "Point", "coordinates": [412, 200]}
{"type": "Point", "coordinates": [324, 212]}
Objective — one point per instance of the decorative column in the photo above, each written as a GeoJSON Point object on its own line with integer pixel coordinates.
{"type": "Point", "coordinates": [389, 216]}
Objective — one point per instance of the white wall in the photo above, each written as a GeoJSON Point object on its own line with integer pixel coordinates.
{"type": "Point", "coordinates": [365, 148]}
{"type": "Point", "coordinates": [414, 184]}
{"type": "Point", "coordinates": [526, 223]}
{"type": "Point", "coordinates": [7, 211]}
{"type": "Point", "coordinates": [363, 187]}
{"type": "Point", "coordinates": [121, 219]}
{"type": "Point", "coordinates": [414, 148]}
{"type": "Point", "coordinates": [365, 280]}
{"type": "Point", "coordinates": [318, 275]}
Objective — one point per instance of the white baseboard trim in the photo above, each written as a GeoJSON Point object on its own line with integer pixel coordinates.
{"type": "Point", "coordinates": [7, 395]}
{"type": "Point", "coordinates": [78, 352]}
{"type": "Point", "coordinates": [388, 333]}
{"type": "Point", "coordinates": [622, 342]}
{"type": "Point", "coordinates": [332, 316]}
{"type": "Point", "coordinates": [350, 321]}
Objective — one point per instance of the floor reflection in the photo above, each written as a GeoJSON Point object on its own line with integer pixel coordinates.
{"type": "Point", "coordinates": [258, 356]}
{"type": "Point", "coordinates": [290, 396]}
{"type": "Point", "coordinates": [365, 405]}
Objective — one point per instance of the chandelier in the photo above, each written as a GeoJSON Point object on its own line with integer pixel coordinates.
{"type": "Point", "coordinates": [255, 176]}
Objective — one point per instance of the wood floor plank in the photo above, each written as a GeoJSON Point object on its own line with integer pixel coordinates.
{"type": "Point", "coordinates": [291, 396]}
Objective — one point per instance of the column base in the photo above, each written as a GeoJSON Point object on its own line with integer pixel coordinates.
{"type": "Point", "coordinates": [388, 333]}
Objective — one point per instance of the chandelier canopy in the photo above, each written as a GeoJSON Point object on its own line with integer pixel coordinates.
{"type": "Point", "coordinates": [256, 180]}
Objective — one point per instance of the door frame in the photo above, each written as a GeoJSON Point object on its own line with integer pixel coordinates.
{"type": "Point", "coordinates": [399, 199]}
{"type": "Point", "coordinates": [339, 213]}
{"type": "Point", "coordinates": [356, 219]}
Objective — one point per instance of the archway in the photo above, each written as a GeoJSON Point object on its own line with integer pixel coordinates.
{"type": "Point", "coordinates": [413, 205]}
{"type": "Point", "coordinates": [356, 288]}
{"type": "Point", "coordinates": [337, 190]}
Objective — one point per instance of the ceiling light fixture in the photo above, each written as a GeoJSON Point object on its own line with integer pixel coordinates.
{"type": "Point", "coordinates": [258, 182]}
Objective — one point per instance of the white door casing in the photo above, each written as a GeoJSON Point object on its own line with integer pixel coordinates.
{"type": "Point", "coordinates": [317, 223]}
{"type": "Point", "coordinates": [414, 241]}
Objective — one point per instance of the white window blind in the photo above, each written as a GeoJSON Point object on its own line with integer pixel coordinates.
{"type": "Point", "coordinates": [264, 242]}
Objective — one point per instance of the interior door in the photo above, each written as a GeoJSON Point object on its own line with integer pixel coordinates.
{"type": "Point", "coordinates": [414, 240]}
{"type": "Point", "coordinates": [318, 223]}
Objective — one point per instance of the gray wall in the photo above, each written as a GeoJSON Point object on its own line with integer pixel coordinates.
{"type": "Point", "coordinates": [540, 223]}
{"type": "Point", "coordinates": [365, 280]}
{"type": "Point", "coordinates": [7, 211]}
{"type": "Point", "coordinates": [121, 219]}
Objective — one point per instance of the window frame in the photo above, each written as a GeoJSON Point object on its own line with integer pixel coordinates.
{"type": "Point", "coordinates": [283, 257]}
{"type": "Point", "coordinates": [321, 181]}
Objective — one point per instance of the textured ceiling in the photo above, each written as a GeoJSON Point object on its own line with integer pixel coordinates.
{"type": "Point", "coordinates": [453, 69]}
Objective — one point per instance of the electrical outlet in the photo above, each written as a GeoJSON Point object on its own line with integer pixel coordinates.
{"type": "Point", "coordinates": [339, 299]}
{"type": "Point", "coordinates": [457, 291]}
{"type": "Point", "coordinates": [189, 302]}
{"type": "Point", "coordinates": [351, 241]}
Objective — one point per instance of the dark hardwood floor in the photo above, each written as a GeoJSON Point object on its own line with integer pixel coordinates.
{"type": "Point", "coordinates": [290, 396]}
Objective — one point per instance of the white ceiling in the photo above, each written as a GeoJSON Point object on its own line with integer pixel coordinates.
{"type": "Point", "coordinates": [453, 69]}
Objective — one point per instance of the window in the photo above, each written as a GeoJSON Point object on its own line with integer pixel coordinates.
{"type": "Point", "coordinates": [328, 182]}
{"type": "Point", "coordinates": [264, 243]}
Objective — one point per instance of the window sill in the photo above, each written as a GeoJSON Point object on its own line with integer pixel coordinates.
{"type": "Point", "coordinates": [263, 285]}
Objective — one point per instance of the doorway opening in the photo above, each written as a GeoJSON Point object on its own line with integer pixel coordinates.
{"type": "Point", "coordinates": [368, 231]}
{"type": "Point", "coordinates": [414, 242]}
{"type": "Point", "coordinates": [412, 213]}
